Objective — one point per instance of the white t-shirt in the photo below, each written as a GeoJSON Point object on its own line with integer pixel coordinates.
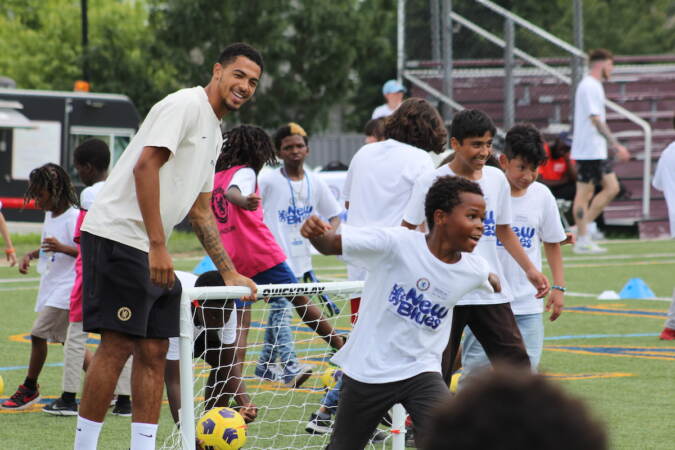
{"type": "Point", "coordinates": [379, 183]}
{"type": "Point", "coordinates": [535, 219]}
{"type": "Point", "coordinates": [185, 123]}
{"type": "Point", "coordinates": [406, 308]}
{"type": "Point", "coordinates": [589, 100]}
{"type": "Point", "coordinates": [57, 270]}
{"type": "Point", "coordinates": [664, 180]}
{"type": "Point", "coordinates": [382, 111]}
{"type": "Point", "coordinates": [380, 180]}
{"type": "Point", "coordinates": [244, 179]}
{"type": "Point", "coordinates": [88, 195]}
{"type": "Point", "coordinates": [227, 334]}
{"type": "Point", "coordinates": [497, 194]}
{"type": "Point", "coordinates": [286, 206]}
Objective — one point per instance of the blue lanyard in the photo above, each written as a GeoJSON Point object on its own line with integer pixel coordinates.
{"type": "Point", "coordinates": [290, 186]}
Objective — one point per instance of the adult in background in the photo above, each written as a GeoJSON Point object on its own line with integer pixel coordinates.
{"type": "Point", "coordinates": [590, 144]}
{"type": "Point", "coordinates": [130, 294]}
{"type": "Point", "coordinates": [393, 92]}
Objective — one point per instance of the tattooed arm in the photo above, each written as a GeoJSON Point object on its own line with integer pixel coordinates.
{"type": "Point", "coordinates": [204, 226]}
{"type": "Point", "coordinates": [621, 151]}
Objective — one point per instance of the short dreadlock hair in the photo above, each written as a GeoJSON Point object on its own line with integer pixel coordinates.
{"type": "Point", "coordinates": [444, 195]}
{"type": "Point", "coordinates": [246, 145]}
{"type": "Point", "coordinates": [52, 178]}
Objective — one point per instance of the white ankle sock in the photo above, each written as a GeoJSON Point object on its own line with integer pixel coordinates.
{"type": "Point", "coordinates": [86, 434]}
{"type": "Point", "coordinates": [143, 436]}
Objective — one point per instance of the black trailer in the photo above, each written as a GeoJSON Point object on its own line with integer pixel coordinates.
{"type": "Point", "coordinates": [37, 127]}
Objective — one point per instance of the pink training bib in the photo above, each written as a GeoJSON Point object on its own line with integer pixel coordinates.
{"type": "Point", "coordinates": [245, 236]}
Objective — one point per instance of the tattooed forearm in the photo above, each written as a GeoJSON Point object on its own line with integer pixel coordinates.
{"type": "Point", "coordinates": [603, 129]}
{"type": "Point", "coordinates": [207, 233]}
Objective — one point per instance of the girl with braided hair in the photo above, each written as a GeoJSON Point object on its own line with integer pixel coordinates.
{"type": "Point", "coordinates": [50, 187]}
{"type": "Point", "coordinates": [236, 204]}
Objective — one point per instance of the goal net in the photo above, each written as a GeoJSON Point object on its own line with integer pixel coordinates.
{"type": "Point", "coordinates": [286, 339]}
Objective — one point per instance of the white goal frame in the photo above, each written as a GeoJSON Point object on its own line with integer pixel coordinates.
{"type": "Point", "coordinates": [187, 414]}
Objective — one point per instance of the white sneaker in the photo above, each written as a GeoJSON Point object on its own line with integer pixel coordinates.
{"type": "Point", "coordinates": [588, 248]}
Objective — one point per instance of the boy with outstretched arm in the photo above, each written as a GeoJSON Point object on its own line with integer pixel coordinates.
{"type": "Point", "coordinates": [488, 315]}
{"type": "Point", "coordinates": [394, 352]}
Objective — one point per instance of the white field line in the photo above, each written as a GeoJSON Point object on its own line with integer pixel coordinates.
{"type": "Point", "coordinates": [19, 280]}
{"type": "Point", "coordinates": [22, 288]}
{"type": "Point", "coordinates": [595, 296]}
{"type": "Point", "coordinates": [621, 256]}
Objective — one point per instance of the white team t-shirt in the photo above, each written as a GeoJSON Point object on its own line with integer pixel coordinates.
{"type": "Point", "coordinates": [183, 122]}
{"type": "Point", "coordinates": [497, 194]}
{"type": "Point", "coordinates": [286, 206]}
{"type": "Point", "coordinates": [88, 195]}
{"type": "Point", "coordinates": [664, 180]}
{"type": "Point", "coordinates": [57, 270]}
{"type": "Point", "coordinates": [535, 219]}
{"type": "Point", "coordinates": [589, 100]}
{"type": "Point", "coordinates": [406, 304]}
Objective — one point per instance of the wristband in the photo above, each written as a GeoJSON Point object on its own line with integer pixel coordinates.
{"type": "Point", "coordinates": [9, 251]}
{"type": "Point", "coordinates": [560, 288]}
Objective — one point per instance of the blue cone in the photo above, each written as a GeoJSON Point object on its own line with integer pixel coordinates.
{"type": "Point", "coordinates": [205, 265]}
{"type": "Point", "coordinates": [636, 288]}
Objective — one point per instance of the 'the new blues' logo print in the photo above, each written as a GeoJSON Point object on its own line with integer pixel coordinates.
{"type": "Point", "coordinates": [416, 307]}
{"type": "Point", "coordinates": [525, 236]}
{"type": "Point", "coordinates": [489, 224]}
{"type": "Point", "coordinates": [295, 216]}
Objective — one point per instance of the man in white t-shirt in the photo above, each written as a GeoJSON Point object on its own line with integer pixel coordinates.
{"type": "Point", "coordinates": [488, 315]}
{"type": "Point", "coordinates": [394, 353]}
{"type": "Point", "coordinates": [382, 174]}
{"type": "Point", "coordinates": [393, 93]}
{"type": "Point", "coordinates": [129, 291]}
{"type": "Point", "coordinates": [589, 148]}
{"type": "Point", "coordinates": [664, 180]}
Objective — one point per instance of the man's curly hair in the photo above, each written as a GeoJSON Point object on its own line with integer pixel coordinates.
{"type": "Point", "coordinates": [419, 124]}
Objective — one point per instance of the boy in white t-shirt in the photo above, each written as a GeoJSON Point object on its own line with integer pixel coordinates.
{"type": "Point", "coordinates": [394, 352]}
{"type": "Point", "coordinates": [52, 191]}
{"type": "Point", "coordinates": [535, 219]}
{"type": "Point", "coordinates": [382, 174]}
{"type": "Point", "coordinates": [290, 195]}
{"type": "Point", "coordinates": [664, 180]}
{"type": "Point", "coordinates": [489, 315]}
{"type": "Point", "coordinates": [215, 334]}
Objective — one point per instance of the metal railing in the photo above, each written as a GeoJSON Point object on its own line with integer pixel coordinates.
{"type": "Point", "coordinates": [574, 51]}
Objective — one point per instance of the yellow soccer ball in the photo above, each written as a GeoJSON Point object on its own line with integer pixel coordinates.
{"type": "Point", "coordinates": [330, 378]}
{"type": "Point", "coordinates": [453, 382]}
{"type": "Point", "coordinates": [222, 429]}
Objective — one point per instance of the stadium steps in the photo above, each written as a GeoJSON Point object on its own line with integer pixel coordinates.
{"type": "Point", "coordinates": [647, 90]}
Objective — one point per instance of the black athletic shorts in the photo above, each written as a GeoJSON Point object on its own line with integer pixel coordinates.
{"type": "Point", "coordinates": [117, 293]}
{"type": "Point", "coordinates": [592, 170]}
